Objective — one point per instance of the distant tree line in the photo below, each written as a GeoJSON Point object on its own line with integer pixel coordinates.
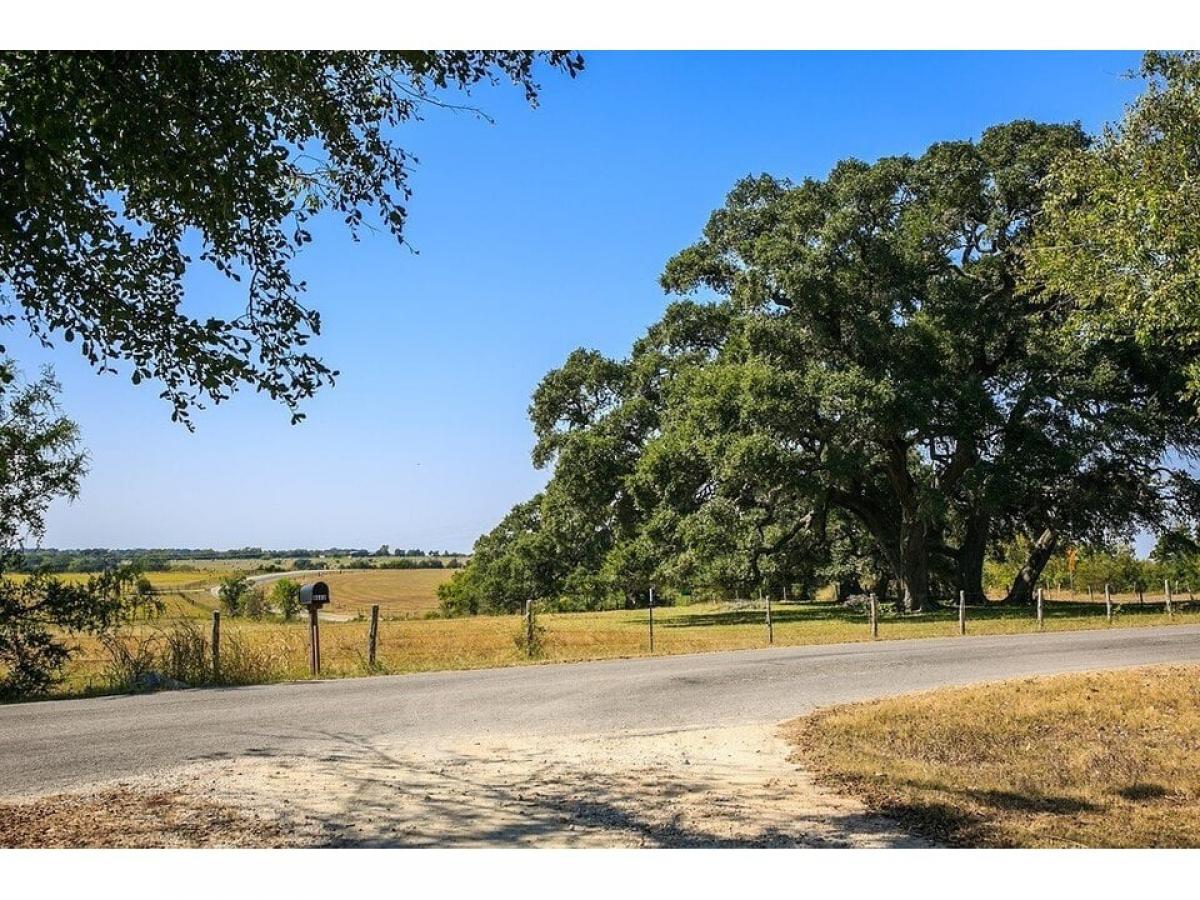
{"type": "Point", "coordinates": [99, 559]}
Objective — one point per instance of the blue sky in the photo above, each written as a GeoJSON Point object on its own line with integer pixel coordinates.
{"type": "Point", "coordinates": [536, 234]}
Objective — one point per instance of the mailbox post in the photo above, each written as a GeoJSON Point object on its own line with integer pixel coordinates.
{"type": "Point", "coordinates": [313, 597]}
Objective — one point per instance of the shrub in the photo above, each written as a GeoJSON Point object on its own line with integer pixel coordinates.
{"type": "Point", "coordinates": [285, 598]}
{"type": "Point", "coordinates": [254, 604]}
{"type": "Point", "coordinates": [182, 652]}
{"type": "Point", "coordinates": [232, 593]}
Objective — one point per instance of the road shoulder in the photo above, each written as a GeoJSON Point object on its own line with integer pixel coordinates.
{"type": "Point", "coordinates": [714, 787]}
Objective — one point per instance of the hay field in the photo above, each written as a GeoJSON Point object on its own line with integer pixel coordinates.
{"type": "Point", "coordinates": [398, 592]}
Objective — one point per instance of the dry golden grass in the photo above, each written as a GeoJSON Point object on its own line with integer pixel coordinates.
{"type": "Point", "coordinates": [398, 592]}
{"type": "Point", "coordinates": [1096, 760]}
{"type": "Point", "coordinates": [169, 580]}
{"type": "Point", "coordinates": [419, 644]}
{"type": "Point", "coordinates": [123, 817]}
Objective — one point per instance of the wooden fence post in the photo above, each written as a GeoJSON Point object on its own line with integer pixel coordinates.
{"type": "Point", "coordinates": [1167, 595]}
{"type": "Point", "coordinates": [1091, 598]}
{"type": "Point", "coordinates": [962, 612]}
{"type": "Point", "coordinates": [1107, 602]}
{"type": "Point", "coordinates": [373, 636]}
{"type": "Point", "coordinates": [651, 620]}
{"type": "Point", "coordinates": [874, 618]}
{"type": "Point", "coordinates": [314, 641]}
{"type": "Point", "coordinates": [216, 645]}
{"type": "Point", "coordinates": [1040, 601]}
{"type": "Point", "coordinates": [529, 628]}
{"type": "Point", "coordinates": [770, 627]}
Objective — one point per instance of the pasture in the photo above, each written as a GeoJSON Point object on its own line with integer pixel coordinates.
{"type": "Point", "coordinates": [399, 593]}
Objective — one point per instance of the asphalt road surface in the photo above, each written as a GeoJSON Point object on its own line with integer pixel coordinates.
{"type": "Point", "coordinates": [51, 745]}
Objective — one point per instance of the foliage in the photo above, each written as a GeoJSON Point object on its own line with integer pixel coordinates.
{"type": "Point", "coordinates": [115, 165]}
{"type": "Point", "coordinates": [866, 387]}
{"type": "Point", "coordinates": [515, 563]}
{"type": "Point", "coordinates": [40, 462]}
{"type": "Point", "coordinates": [254, 604]}
{"type": "Point", "coordinates": [35, 612]}
{"type": "Point", "coordinates": [40, 458]}
{"type": "Point", "coordinates": [233, 592]}
{"type": "Point", "coordinates": [1122, 222]}
{"type": "Point", "coordinates": [285, 598]}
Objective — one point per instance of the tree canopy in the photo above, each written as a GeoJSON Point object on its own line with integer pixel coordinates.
{"type": "Point", "coordinates": [861, 382]}
{"type": "Point", "coordinates": [1120, 232]}
{"type": "Point", "coordinates": [114, 164]}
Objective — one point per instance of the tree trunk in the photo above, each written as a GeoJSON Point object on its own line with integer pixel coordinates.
{"type": "Point", "coordinates": [1021, 591]}
{"type": "Point", "coordinates": [914, 563]}
{"type": "Point", "coordinates": [971, 556]}
{"type": "Point", "coordinates": [847, 587]}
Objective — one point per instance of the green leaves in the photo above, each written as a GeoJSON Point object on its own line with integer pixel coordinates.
{"type": "Point", "coordinates": [110, 161]}
{"type": "Point", "coordinates": [1121, 227]}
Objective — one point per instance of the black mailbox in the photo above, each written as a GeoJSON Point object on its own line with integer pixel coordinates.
{"type": "Point", "coordinates": [314, 595]}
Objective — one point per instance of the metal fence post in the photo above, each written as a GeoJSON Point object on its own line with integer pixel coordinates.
{"type": "Point", "coordinates": [1108, 602]}
{"type": "Point", "coordinates": [962, 612]}
{"type": "Point", "coordinates": [1040, 602]}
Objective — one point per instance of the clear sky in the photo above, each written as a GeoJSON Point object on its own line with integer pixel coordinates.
{"type": "Point", "coordinates": [537, 234]}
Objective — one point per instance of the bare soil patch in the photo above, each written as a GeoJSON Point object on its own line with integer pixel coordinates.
{"type": "Point", "coordinates": [726, 787]}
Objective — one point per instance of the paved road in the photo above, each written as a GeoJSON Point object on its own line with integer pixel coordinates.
{"type": "Point", "coordinates": [45, 746]}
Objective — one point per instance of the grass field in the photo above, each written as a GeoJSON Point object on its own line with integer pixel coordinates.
{"type": "Point", "coordinates": [169, 580]}
{"type": "Point", "coordinates": [1097, 760]}
{"type": "Point", "coordinates": [417, 644]}
{"type": "Point", "coordinates": [398, 592]}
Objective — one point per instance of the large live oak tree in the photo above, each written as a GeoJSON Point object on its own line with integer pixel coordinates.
{"type": "Point", "coordinates": [111, 161]}
{"type": "Point", "coordinates": [866, 357]}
